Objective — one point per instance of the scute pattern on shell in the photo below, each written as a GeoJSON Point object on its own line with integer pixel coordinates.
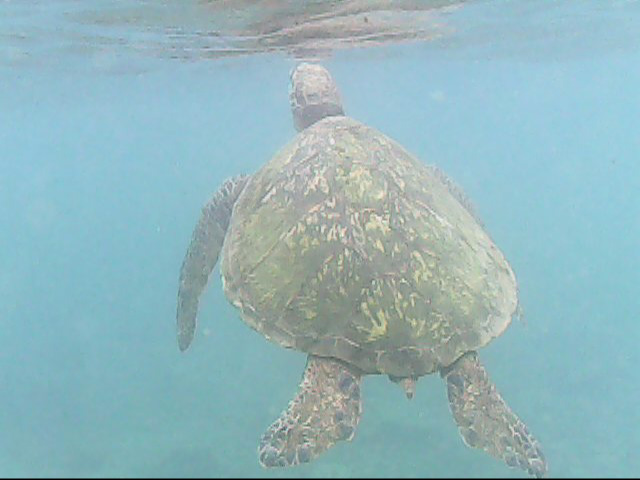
{"type": "Point", "coordinates": [345, 245]}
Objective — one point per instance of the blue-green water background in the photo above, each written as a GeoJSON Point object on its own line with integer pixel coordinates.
{"type": "Point", "coordinates": [107, 158]}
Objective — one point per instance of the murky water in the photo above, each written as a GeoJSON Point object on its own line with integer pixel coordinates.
{"type": "Point", "coordinates": [118, 120]}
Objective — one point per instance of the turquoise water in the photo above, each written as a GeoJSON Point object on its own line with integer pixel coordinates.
{"type": "Point", "coordinates": [109, 150]}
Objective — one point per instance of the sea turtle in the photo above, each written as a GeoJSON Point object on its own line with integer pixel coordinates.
{"type": "Point", "coordinates": [346, 247]}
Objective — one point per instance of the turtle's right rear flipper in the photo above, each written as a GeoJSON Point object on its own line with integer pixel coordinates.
{"type": "Point", "coordinates": [202, 255]}
{"type": "Point", "coordinates": [485, 421]}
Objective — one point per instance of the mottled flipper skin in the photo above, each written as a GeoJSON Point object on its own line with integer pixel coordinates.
{"type": "Point", "coordinates": [202, 255]}
{"type": "Point", "coordinates": [326, 410]}
{"type": "Point", "coordinates": [484, 419]}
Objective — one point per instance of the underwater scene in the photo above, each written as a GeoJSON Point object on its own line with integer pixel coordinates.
{"type": "Point", "coordinates": [319, 238]}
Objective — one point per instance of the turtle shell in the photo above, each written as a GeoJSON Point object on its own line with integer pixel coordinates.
{"type": "Point", "coordinates": [345, 245]}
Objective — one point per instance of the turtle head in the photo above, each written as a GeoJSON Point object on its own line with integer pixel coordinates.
{"type": "Point", "coordinates": [313, 95]}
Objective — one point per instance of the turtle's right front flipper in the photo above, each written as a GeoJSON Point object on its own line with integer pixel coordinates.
{"type": "Point", "coordinates": [202, 255]}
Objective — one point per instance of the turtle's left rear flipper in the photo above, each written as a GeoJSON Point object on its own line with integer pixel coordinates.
{"type": "Point", "coordinates": [202, 255]}
{"type": "Point", "coordinates": [326, 410]}
{"type": "Point", "coordinates": [484, 419]}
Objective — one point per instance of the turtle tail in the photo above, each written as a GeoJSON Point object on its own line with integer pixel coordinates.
{"type": "Point", "coordinates": [202, 255]}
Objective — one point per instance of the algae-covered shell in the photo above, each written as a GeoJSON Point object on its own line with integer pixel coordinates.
{"type": "Point", "coordinates": [344, 245]}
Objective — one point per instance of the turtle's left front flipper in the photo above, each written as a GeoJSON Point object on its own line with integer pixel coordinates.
{"type": "Point", "coordinates": [202, 255]}
{"type": "Point", "coordinates": [484, 419]}
{"type": "Point", "coordinates": [326, 410]}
